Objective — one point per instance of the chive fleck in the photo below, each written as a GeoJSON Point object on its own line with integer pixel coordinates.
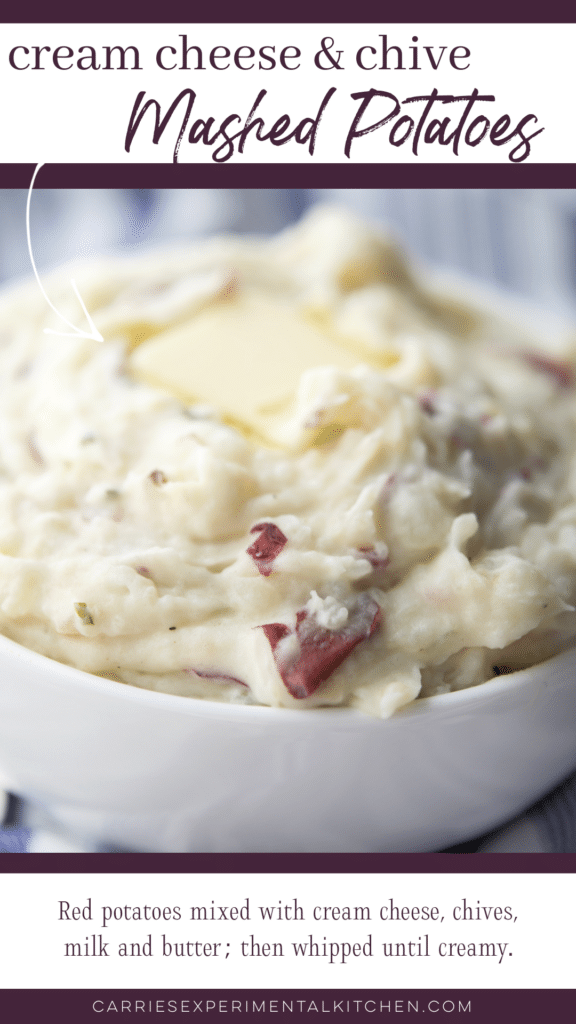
{"type": "Point", "coordinates": [82, 611]}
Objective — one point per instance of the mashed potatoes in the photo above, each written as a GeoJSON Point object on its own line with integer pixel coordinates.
{"type": "Point", "coordinates": [197, 506]}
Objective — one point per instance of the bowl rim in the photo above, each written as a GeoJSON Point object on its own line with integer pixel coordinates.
{"type": "Point", "coordinates": [445, 703]}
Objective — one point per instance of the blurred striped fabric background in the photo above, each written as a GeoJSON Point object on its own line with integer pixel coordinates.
{"type": "Point", "coordinates": [521, 240]}
{"type": "Point", "coordinates": [524, 240]}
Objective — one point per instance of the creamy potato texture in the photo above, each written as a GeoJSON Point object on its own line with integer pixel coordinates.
{"type": "Point", "coordinates": [295, 473]}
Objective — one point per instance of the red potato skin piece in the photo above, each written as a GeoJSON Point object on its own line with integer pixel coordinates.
{"type": "Point", "coordinates": [275, 632]}
{"type": "Point", "coordinates": [561, 372]}
{"type": "Point", "coordinates": [266, 547]}
{"type": "Point", "coordinates": [321, 651]}
{"type": "Point", "coordinates": [426, 401]}
{"type": "Point", "coordinates": [215, 675]}
{"type": "Point", "coordinates": [376, 561]}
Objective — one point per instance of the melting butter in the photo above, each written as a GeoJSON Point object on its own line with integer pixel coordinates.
{"type": "Point", "coordinates": [244, 356]}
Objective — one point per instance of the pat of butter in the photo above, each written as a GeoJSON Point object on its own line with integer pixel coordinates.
{"type": "Point", "coordinates": [244, 356]}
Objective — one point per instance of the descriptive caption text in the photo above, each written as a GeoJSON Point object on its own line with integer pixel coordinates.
{"type": "Point", "coordinates": [456, 120]}
{"type": "Point", "coordinates": [189, 930]}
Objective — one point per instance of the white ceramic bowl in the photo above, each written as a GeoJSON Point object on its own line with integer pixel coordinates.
{"type": "Point", "coordinates": [153, 771]}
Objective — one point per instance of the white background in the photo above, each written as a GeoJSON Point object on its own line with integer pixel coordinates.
{"type": "Point", "coordinates": [74, 116]}
{"type": "Point", "coordinates": [540, 940]}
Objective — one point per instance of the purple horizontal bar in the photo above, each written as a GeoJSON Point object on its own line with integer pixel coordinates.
{"type": "Point", "coordinates": [288, 863]}
{"type": "Point", "coordinates": [350, 175]}
{"type": "Point", "coordinates": [298, 11]}
{"type": "Point", "coordinates": [475, 1006]}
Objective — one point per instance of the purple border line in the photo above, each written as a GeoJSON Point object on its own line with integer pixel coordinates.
{"type": "Point", "coordinates": [297, 12]}
{"type": "Point", "coordinates": [288, 863]}
{"type": "Point", "coordinates": [300, 175]}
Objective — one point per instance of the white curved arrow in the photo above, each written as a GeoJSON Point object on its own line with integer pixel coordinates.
{"type": "Point", "coordinates": [76, 332]}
